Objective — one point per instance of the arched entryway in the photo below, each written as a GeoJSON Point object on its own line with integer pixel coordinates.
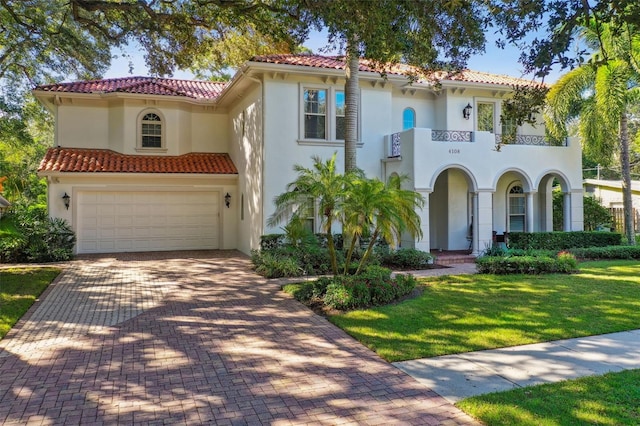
{"type": "Point", "coordinates": [451, 207]}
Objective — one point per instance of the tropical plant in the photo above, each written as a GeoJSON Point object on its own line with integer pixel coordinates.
{"type": "Point", "coordinates": [364, 207]}
{"type": "Point", "coordinates": [378, 210]}
{"type": "Point", "coordinates": [321, 185]}
{"type": "Point", "coordinates": [599, 93]}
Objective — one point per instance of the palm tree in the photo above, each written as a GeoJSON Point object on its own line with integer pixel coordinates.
{"type": "Point", "coordinates": [600, 93]}
{"type": "Point", "coordinates": [379, 210]}
{"type": "Point", "coordinates": [321, 185]}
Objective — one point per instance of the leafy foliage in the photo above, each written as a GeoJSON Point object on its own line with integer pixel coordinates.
{"type": "Point", "coordinates": [39, 238]}
{"type": "Point", "coordinates": [502, 265]}
{"type": "Point", "coordinates": [562, 240]}
{"type": "Point", "coordinates": [366, 208]}
{"type": "Point", "coordinates": [608, 252]}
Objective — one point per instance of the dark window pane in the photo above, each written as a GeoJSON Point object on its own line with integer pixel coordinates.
{"type": "Point", "coordinates": [314, 127]}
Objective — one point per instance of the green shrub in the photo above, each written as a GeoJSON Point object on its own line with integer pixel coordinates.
{"type": "Point", "coordinates": [406, 258]}
{"type": "Point", "coordinates": [562, 240]}
{"type": "Point", "coordinates": [271, 265]}
{"type": "Point", "coordinates": [611, 252]}
{"type": "Point", "coordinates": [373, 287]}
{"type": "Point", "coordinates": [338, 296]}
{"type": "Point", "coordinates": [271, 242]}
{"type": "Point", "coordinates": [38, 238]}
{"type": "Point", "coordinates": [565, 263]}
{"type": "Point", "coordinates": [405, 284]}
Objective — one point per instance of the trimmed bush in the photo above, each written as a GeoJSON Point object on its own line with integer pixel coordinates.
{"type": "Point", "coordinates": [565, 263]}
{"type": "Point", "coordinates": [373, 287]}
{"type": "Point", "coordinates": [562, 240]}
{"type": "Point", "coordinates": [407, 258]}
{"type": "Point", "coordinates": [610, 252]}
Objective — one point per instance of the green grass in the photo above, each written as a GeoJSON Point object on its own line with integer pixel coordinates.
{"type": "Point", "coordinates": [19, 288]}
{"type": "Point", "coordinates": [466, 313]}
{"type": "Point", "coordinates": [611, 399]}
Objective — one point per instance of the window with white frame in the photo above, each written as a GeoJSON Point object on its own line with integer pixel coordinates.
{"type": "Point", "coordinates": [323, 116]}
{"type": "Point", "coordinates": [485, 116]}
{"type": "Point", "coordinates": [307, 215]}
{"type": "Point", "coordinates": [340, 109]}
{"type": "Point", "coordinates": [408, 119]}
{"type": "Point", "coordinates": [151, 132]}
{"type": "Point", "coordinates": [516, 209]}
{"type": "Point", "coordinates": [315, 114]}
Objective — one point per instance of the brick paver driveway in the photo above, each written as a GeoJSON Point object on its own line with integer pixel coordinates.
{"type": "Point", "coordinates": [194, 338]}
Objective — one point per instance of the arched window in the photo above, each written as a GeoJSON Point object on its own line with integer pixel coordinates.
{"type": "Point", "coordinates": [516, 209]}
{"type": "Point", "coordinates": [151, 131]}
{"type": "Point", "coordinates": [408, 119]}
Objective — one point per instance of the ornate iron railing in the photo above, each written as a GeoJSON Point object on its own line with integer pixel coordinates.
{"type": "Point", "coordinates": [536, 140]}
{"type": "Point", "coordinates": [394, 150]}
{"type": "Point", "coordinates": [451, 136]}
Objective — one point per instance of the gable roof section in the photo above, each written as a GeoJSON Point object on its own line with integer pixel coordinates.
{"type": "Point", "coordinates": [210, 90]}
{"type": "Point", "coordinates": [193, 89]}
{"type": "Point", "coordinates": [75, 160]}
{"type": "Point", "coordinates": [338, 63]}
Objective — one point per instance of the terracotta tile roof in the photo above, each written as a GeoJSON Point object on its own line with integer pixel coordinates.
{"type": "Point", "coordinates": [71, 160]}
{"type": "Point", "coordinates": [142, 85]}
{"type": "Point", "coordinates": [338, 63]}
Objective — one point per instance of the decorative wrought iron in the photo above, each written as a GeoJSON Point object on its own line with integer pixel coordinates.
{"type": "Point", "coordinates": [395, 145]}
{"type": "Point", "coordinates": [528, 140]}
{"type": "Point", "coordinates": [450, 136]}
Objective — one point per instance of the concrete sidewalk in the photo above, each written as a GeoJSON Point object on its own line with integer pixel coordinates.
{"type": "Point", "coordinates": [456, 377]}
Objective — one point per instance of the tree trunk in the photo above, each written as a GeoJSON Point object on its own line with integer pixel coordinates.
{"type": "Point", "coordinates": [626, 181]}
{"type": "Point", "coordinates": [351, 92]}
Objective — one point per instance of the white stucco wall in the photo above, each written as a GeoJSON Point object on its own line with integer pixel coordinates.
{"type": "Point", "coordinates": [246, 149]}
{"type": "Point", "coordinates": [99, 124]}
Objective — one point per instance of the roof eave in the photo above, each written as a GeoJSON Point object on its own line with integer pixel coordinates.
{"type": "Point", "coordinates": [48, 174]}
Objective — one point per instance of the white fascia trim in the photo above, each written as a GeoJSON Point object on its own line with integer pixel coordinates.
{"type": "Point", "coordinates": [140, 175]}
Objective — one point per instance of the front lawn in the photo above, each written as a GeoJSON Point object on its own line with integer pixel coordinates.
{"type": "Point", "coordinates": [467, 313]}
{"type": "Point", "coordinates": [19, 288]}
{"type": "Point", "coordinates": [611, 399]}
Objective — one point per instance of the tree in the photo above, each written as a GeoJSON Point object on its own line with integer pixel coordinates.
{"type": "Point", "coordinates": [600, 92]}
{"type": "Point", "coordinates": [364, 207]}
{"type": "Point", "coordinates": [376, 210]}
{"type": "Point", "coordinates": [321, 185]}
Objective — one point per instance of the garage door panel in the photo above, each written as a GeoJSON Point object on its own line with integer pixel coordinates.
{"type": "Point", "coordinates": [147, 221]}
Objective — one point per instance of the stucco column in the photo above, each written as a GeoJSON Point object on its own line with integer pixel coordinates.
{"type": "Point", "coordinates": [483, 221]}
{"type": "Point", "coordinates": [474, 226]}
{"type": "Point", "coordinates": [577, 210]}
{"type": "Point", "coordinates": [424, 244]}
{"type": "Point", "coordinates": [566, 211]}
{"type": "Point", "coordinates": [529, 227]}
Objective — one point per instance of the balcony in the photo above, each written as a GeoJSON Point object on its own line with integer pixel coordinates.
{"type": "Point", "coordinates": [461, 136]}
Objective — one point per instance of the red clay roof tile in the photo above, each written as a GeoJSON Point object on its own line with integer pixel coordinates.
{"type": "Point", "coordinates": [76, 160]}
{"type": "Point", "coordinates": [338, 62]}
{"type": "Point", "coordinates": [142, 85]}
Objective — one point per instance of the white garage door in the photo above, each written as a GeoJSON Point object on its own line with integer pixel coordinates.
{"type": "Point", "coordinates": [111, 222]}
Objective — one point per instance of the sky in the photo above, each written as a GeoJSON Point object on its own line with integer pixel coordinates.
{"type": "Point", "coordinates": [494, 60]}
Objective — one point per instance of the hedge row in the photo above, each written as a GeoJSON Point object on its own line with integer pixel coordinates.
{"type": "Point", "coordinates": [611, 252]}
{"type": "Point", "coordinates": [563, 240]}
{"type": "Point", "coordinates": [564, 263]}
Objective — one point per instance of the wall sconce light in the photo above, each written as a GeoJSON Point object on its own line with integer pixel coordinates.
{"type": "Point", "coordinates": [227, 200]}
{"type": "Point", "coordinates": [466, 112]}
{"type": "Point", "coordinates": [66, 199]}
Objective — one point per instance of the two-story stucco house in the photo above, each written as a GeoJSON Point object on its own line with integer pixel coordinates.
{"type": "Point", "coordinates": [161, 164]}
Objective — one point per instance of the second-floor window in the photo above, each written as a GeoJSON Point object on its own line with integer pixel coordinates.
{"type": "Point", "coordinates": [486, 117]}
{"type": "Point", "coordinates": [315, 114]}
{"type": "Point", "coordinates": [151, 131]}
{"type": "Point", "coordinates": [323, 114]}
{"type": "Point", "coordinates": [408, 119]}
